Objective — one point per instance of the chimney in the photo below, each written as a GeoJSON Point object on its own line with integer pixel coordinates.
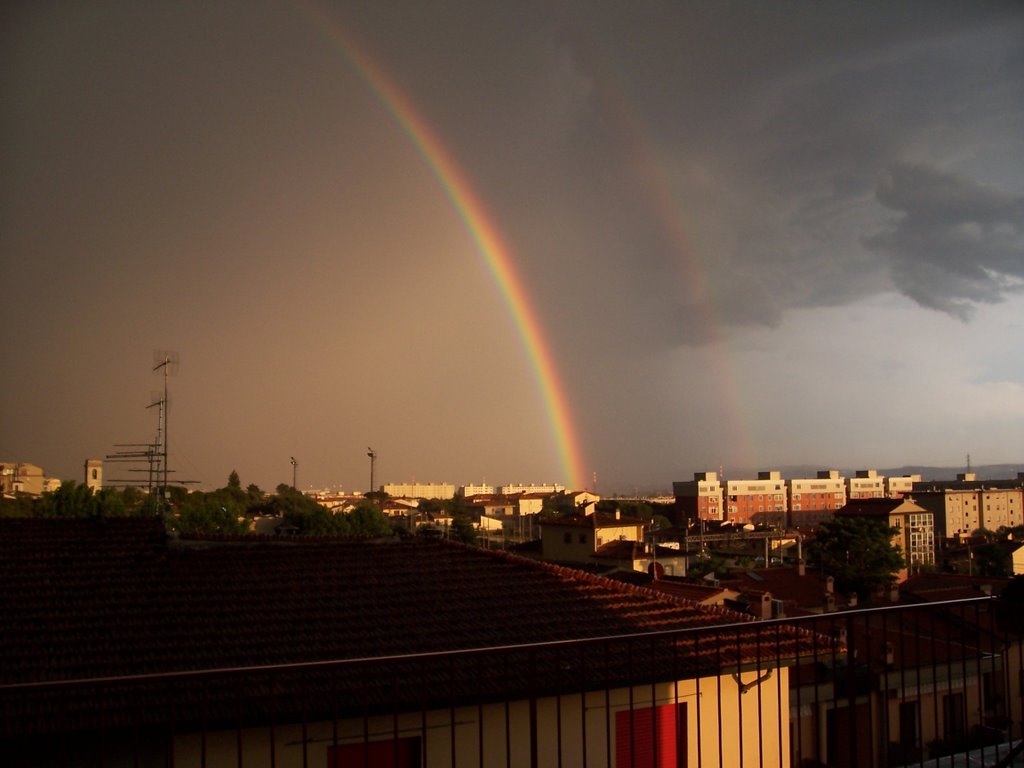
{"type": "Point", "coordinates": [894, 593]}
{"type": "Point", "coordinates": [829, 585]}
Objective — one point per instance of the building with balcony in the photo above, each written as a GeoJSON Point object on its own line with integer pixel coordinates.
{"type": "Point", "coordinates": [865, 484]}
{"type": "Point", "coordinates": [898, 486]}
{"type": "Point", "coordinates": [814, 500]}
{"type": "Point", "coordinates": [760, 502]}
{"type": "Point", "coordinates": [964, 505]}
{"type": "Point", "coordinates": [419, 490]}
{"type": "Point", "coordinates": [698, 499]}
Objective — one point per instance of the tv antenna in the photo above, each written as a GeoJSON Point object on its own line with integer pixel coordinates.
{"type": "Point", "coordinates": [166, 362]}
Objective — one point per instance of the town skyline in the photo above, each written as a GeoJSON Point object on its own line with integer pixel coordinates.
{"type": "Point", "coordinates": [513, 244]}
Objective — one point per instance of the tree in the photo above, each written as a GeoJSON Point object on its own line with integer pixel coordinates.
{"type": "Point", "coordinates": [254, 494]}
{"type": "Point", "coordinates": [234, 481]}
{"type": "Point", "coordinates": [367, 520]}
{"type": "Point", "coordinates": [858, 552]}
{"type": "Point", "coordinates": [462, 529]}
{"type": "Point", "coordinates": [213, 512]}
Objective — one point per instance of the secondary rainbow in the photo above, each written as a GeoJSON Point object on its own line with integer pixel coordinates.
{"type": "Point", "coordinates": [496, 254]}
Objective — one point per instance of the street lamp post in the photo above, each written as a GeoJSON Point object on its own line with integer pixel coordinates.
{"type": "Point", "coordinates": [295, 468]}
{"type": "Point", "coordinates": [372, 454]}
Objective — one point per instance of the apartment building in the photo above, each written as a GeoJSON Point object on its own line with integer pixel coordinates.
{"type": "Point", "coordinates": [699, 499]}
{"type": "Point", "coordinates": [513, 488]}
{"type": "Point", "coordinates": [476, 489]}
{"type": "Point", "coordinates": [419, 490]}
{"type": "Point", "coordinates": [760, 502]}
{"type": "Point", "coordinates": [22, 477]}
{"type": "Point", "coordinates": [814, 500]}
{"type": "Point", "coordinates": [966, 504]}
{"type": "Point", "coordinates": [865, 484]}
{"type": "Point", "coordinates": [898, 486]}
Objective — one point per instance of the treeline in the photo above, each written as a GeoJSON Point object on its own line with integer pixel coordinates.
{"type": "Point", "coordinates": [230, 509]}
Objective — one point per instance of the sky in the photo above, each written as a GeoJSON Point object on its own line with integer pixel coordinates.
{"type": "Point", "coordinates": [603, 244]}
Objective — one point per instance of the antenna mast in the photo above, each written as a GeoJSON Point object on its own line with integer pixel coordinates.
{"type": "Point", "coordinates": [167, 363]}
{"type": "Point", "coordinates": [372, 454]}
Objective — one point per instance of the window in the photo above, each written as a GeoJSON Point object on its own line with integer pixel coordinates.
{"type": "Point", "coordinates": [909, 734]}
{"type": "Point", "coordinates": [583, 538]}
{"type": "Point", "coordinates": [953, 723]}
{"type": "Point", "coordinates": [651, 737]}
{"type": "Point", "coordinates": [567, 538]}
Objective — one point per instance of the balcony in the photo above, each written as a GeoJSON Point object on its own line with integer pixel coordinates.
{"type": "Point", "coordinates": [927, 685]}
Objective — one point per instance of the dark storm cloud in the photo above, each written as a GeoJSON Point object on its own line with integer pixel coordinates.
{"type": "Point", "coordinates": [757, 133]}
{"type": "Point", "coordinates": [957, 242]}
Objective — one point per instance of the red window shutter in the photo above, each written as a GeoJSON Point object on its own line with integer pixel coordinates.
{"type": "Point", "coordinates": [651, 737]}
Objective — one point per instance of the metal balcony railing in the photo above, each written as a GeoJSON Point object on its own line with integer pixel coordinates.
{"type": "Point", "coordinates": [925, 685]}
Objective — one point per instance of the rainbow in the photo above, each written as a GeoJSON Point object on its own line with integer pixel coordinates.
{"type": "Point", "coordinates": [485, 235]}
{"type": "Point", "coordinates": [695, 286]}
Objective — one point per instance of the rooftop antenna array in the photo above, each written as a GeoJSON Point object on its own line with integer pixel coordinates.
{"type": "Point", "coordinates": [153, 456]}
{"type": "Point", "coordinates": [166, 362]}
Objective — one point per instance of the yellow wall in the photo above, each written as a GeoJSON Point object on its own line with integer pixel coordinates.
{"type": "Point", "coordinates": [706, 698]}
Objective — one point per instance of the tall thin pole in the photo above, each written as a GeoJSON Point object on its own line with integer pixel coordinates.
{"type": "Point", "coordinates": [295, 469]}
{"type": "Point", "coordinates": [373, 457]}
{"type": "Point", "coordinates": [164, 364]}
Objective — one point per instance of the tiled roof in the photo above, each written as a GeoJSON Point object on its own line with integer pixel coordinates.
{"type": "Point", "coordinates": [878, 507]}
{"type": "Point", "coordinates": [619, 550]}
{"type": "Point", "coordinates": [805, 592]}
{"type": "Point", "coordinates": [936, 587]}
{"type": "Point", "coordinates": [97, 598]}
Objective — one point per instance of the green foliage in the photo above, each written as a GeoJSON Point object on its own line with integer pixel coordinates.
{"type": "Point", "coordinates": [462, 529]}
{"type": "Point", "coordinates": [377, 497]}
{"type": "Point", "coordinates": [993, 559]}
{"type": "Point", "coordinates": [233, 481]}
{"type": "Point", "coordinates": [702, 566]}
{"type": "Point", "coordinates": [70, 500]}
{"type": "Point", "coordinates": [556, 505]}
{"type": "Point", "coordinates": [661, 522]}
{"type": "Point", "coordinates": [254, 495]}
{"type": "Point", "coordinates": [858, 552]}
{"type": "Point", "coordinates": [18, 506]}
{"type": "Point", "coordinates": [73, 499]}
{"type": "Point", "coordinates": [209, 513]}
{"type": "Point", "coordinates": [367, 520]}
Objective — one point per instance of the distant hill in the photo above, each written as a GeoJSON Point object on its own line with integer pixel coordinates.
{"type": "Point", "coordinates": [983, 471]}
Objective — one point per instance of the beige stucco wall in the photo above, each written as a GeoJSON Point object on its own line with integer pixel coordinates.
{"type": "Point", "coordinates": [590, 721]}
